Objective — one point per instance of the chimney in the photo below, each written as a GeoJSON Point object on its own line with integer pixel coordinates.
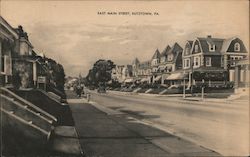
{"type": "Point", "coordinates": [209, 36]}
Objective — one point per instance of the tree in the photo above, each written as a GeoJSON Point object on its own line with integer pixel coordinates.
{"type": "Point", "coordinates": [100, 74]}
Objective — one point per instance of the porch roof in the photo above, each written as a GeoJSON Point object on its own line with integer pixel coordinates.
{"type": "Point", "coordinates": [157, 78]}
{"type": "Point", "coordinates": [177, 76]}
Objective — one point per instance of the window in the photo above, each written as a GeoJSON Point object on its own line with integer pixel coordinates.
{"type": "Point", "coordinates": [208, 61]}
{"type": "Point", "coordinates": [2, 63]}
{"type": "Point", "coordinates": [233, 58]}
{"type": "Point", "coordinates": [196, 61]}
{"type": "Point", "coordinates": [236, 47]}
{"type": "Point", "coordinates": [162, 59]}
{"type": "Point", "coordinates": [186, 63]}
{"type": "Point", "coordinates": [212, 48]}
{"type": "Point", "coordinates": [170, 57]}
{"type": "Point", "coordinates": [187, 51]}
{"type": "Point", "coordinates": [6, 65]}
{"type": "Point", "coordinates": [196, 48]}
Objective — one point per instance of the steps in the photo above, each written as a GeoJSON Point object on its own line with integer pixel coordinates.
{"type": "Point", "coordinates": [28, 129]}
{"type": "Point", "coordinates": [136, 90]}
{"type": "Point", "coordinates": [25, 128]}
{"type": "Point", "coordinates": [163, 92]}
{"type": "Point", "coordinates": [43, 100]}
{"type": "Point", "coordinates": [26, 113]}
{"type": "Point", "coordinates": [15, 97]}
{"type": "Point", "coordinates": [240, 94]}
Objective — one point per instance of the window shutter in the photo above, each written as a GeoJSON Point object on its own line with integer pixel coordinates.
{"type": "Point", "coordinates": [7, 65]}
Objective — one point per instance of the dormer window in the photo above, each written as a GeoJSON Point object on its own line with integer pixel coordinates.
{"type": "Point", "coordinates": [187, 51]}
{"type": "Point", "coordinates": [196, 48]}
{"type": "Point", "coordinates": [162, 59]}
{"type": "Point", "coordinates": [212, 48]}
{"type": "Point", "coordinates": [236, 47]}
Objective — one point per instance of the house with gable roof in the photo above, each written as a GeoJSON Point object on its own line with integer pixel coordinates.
{"type": "Point", "coordinates": [155, 60]}
{"type": "Point", "coordinates": [209, 58]}
{"type": "Point", "coordinates": [171, 60]}
{"type": "Point", "coordinates": [232, 51]}
{"type": "Point", "coordinates": [135, 66]}
{"type": "Point", "coordinates": [145, 72]}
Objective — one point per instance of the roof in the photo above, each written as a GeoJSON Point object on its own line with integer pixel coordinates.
{"type": "Point", "coordinates": [8, 27]}
{"type": "Point", "coordinates": [135, 61]}
{"type": "Point", "coordinates": [226, 44]}
{"type": "Point", "coordinates": [145, 65]}
{"type": "Point", "coordinates": [190, 42]}
{"type": "Point", "coordinates": [177, 76]}
{"type": "Point", "coordinates": [156, 54]}
{"type": "Point", "coordinates": [212, 41]}
{"type": "Point", "coordinates": [164, 52]}
{"type": "Point", "coordinates": [175, 48]}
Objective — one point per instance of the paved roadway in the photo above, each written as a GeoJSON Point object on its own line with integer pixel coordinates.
{"type": "Point", "coordinates": [221, 127]}
{"type": "Point", "coordinates": [104, 132]}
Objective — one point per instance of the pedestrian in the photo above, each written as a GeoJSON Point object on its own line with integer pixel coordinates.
{"type": "Point", "coordinates": [79, 91]}
{"type": "Point", "coordinates": [88, 96]}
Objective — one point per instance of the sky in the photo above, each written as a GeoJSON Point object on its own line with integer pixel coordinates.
{"type": "Point", "coordinates": [75, 35]}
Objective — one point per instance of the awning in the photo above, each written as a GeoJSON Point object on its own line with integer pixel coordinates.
{"type": "Point", "coordinates": [128, 80]}
{"type": "Point", "coordinates": [136, 79]}
{"type": "Point", "coordinates": [145, 79]}
{"type": "Point", "coordinates": [157, 78]}
{"type": "Point", "coordinates": [162, 67]}
{"type": "Point", "coordinates": [177, 76]}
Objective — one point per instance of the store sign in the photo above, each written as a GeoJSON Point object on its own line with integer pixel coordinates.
{"type": "Point", "coordinates": [41, 79]}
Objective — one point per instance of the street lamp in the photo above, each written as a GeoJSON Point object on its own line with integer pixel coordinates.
{"type": "Point", "coordinates": [184, 86]}
{"type": "Point", "coordinates": [202, 89]}
{"type": "Point", "coordinates": [191, 79]}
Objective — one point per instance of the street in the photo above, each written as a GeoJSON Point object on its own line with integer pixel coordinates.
{"type": "Point", "coordinates": [221, 127]}
{"type": "Point", "coordinates": [106, 132]}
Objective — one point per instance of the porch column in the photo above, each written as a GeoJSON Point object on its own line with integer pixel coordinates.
{"type": "Point", "coordinates": [1, 55]}
{"type": "Point", "coordinates": [225, 62]}
{"type": "Point", "coordinates": [189, 79]}
{"type": "Point", "coordinates": [237, 77]}
{"type": "Point", "coordinates": [34, 73]}
{"type": "Point", "coordinates": [162, 79]}
{"type": "Point", "coordinates": [2, 78]}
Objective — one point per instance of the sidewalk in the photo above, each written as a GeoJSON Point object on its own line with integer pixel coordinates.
{"type": "Point", "coordinates": [188, 98]}
{"type": "Point", "coordinates": [106, 133]}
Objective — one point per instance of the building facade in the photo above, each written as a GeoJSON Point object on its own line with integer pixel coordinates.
{"type": "Point", "coordinates": [204, 58]}
{"type": "Point", "coordinates": [122, 73]}
{"type": "Point", "coordinates": [211, 59]}
{"type": "Point", "coordinates": [8, 38]}
{"type": "Point", "coordinates": [19, 63]}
